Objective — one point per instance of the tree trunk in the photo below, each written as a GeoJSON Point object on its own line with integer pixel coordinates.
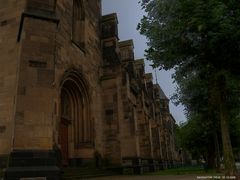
{"type": "Point", "coordinates": [229, 161]}
{"type": "Point", "coordinates": [212, 117]}
{"type": "Point", "coordinates": [217, 152]}
{"type": "Point", "coordinates": [210, 156]}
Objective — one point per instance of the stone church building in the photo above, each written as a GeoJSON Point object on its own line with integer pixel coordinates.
{"type": "Point", "coordinates": [68, 83]}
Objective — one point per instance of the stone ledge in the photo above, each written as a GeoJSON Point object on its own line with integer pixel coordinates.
{"type": "Point", "coordinates": [37, 15]}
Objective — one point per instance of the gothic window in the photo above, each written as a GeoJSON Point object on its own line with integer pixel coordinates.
{"type": "Point", "coordinates": [78, 26]}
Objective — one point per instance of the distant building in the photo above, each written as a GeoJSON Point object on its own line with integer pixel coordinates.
{"type": "Point", "coordinates": [67, 83]}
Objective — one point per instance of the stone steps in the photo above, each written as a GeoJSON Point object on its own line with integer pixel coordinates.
{"type": "Point", "coordinates": [76, 173]}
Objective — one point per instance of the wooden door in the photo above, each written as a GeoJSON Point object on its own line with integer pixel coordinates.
{"type": "Point", "coordinates": [63, 137]}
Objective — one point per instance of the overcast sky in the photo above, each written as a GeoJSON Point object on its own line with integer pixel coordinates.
{"type": "Point", "coordinates": [129, 13]}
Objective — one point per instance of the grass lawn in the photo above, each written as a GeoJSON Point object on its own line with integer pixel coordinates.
{"type": "Point", "coordinates": [185, 170]}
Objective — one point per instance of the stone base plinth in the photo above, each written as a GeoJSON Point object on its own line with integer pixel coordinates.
{"type": "Point", "coordinates": [32, 164]}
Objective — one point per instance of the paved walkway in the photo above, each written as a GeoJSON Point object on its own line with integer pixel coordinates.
{"type": "Point", "coordinates": [149, 177]}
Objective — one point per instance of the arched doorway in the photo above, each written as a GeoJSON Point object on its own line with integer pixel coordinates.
{"type": "Point", "coordinates": [75, 122]}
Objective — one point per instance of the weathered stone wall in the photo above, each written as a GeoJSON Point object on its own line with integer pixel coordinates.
{"type": "Point", "coordinates": [34, 114]}
{"type": "Point", "coordinates": [40, 5]}
{"type": "Point", "coordinates": [87, 61]}
{"type": "Point", "coordinates": [111, 119]}
{"type": "Point", "coordinates": [128, 124]}
{"type": "Point", "coordinates": [38, 51]}
{"type": "Point", "coordinates": [34, 102]}
{"type": "Point", "coordinates": [144, 128]}
{"type": "Point", "coordinates": [44, 53]}
{"type": "Point", "coordinates": [111, 94]}
{"type": "Point", "coordinates": [10, 16]}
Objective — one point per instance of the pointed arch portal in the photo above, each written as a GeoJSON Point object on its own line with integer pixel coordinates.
{"type": "Point", "coordinates": [75, 123]}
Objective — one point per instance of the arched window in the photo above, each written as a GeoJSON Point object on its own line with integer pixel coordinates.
{"type": "Point", "coordinates": [78, 26]}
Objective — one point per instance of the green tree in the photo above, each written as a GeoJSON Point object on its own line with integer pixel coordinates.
{"type": "Point", "coordinates": [198, 37]}
{"type": "Point", "coordinates": [201, 130]}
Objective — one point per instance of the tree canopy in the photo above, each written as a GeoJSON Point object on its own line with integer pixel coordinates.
{"type": "Point", "coordinates": [185, 33]}
{"type": "Point", "coordinates": [200, 39]}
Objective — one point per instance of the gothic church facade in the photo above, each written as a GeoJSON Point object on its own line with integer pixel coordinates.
{"type": "Point", "coordinates": [67, 82]}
